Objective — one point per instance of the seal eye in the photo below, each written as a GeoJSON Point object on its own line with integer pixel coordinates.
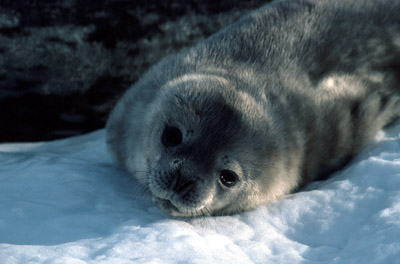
{"type": "Point", "coordinates": [171, 136]}
{"type": "Point", "coordinates": [228, 178]}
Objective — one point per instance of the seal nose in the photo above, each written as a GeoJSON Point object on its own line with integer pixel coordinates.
{"type": "Point", "coordinates": [184, 187]}
{"type": "Point", "coordinates": [181, 185]}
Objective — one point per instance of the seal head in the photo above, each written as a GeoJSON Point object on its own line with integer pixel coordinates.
{"type": "Point", "coordinates": [193, 158]}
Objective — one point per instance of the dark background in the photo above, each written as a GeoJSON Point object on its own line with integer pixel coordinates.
{"type": "Point", "coordinates": [63, 64]}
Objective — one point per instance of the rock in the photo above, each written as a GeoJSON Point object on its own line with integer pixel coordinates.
{"type": "Point", "coordinates": [64, 63]}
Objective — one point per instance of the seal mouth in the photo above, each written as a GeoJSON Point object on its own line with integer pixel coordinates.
{"type": "Point", "coordinates": [167, 207]}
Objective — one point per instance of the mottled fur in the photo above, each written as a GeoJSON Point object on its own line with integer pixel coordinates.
{"type": "Point", "coordinates": [284, 96]}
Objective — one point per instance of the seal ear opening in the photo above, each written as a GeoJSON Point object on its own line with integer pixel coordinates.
{"type": "Point", "coordinates": [171, 136]}
{"type": "Point", "coordinates": [228, 178]}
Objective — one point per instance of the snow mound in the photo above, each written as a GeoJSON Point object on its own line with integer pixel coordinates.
{"type": "Point", "coordinates": [66, 202]}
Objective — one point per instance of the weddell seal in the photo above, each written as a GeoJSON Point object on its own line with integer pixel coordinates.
{"type": "Point", "coordinates": [284, 96]}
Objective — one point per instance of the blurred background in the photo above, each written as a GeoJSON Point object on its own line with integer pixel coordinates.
{"type": "Point", "coordinates": [64, 63]}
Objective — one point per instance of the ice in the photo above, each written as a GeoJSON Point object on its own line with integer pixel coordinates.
{"type": "Point", "coordinates": [66, 202]}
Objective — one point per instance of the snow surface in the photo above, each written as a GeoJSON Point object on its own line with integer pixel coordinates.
{"type": "Point", "coordinates": [66, 202]}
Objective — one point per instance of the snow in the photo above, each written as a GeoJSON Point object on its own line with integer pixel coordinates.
{"type": "Point", "coordinates": [66, 202]}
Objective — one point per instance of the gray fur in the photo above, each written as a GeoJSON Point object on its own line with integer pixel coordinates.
{"type": "Point", "coordinates": [284, 96]}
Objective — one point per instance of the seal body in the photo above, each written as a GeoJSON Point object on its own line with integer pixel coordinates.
{"type": "Point", "coordinates": [286, 95]}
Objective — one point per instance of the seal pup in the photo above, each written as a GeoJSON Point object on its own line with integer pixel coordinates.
{"type": "Point", "coordinates": [284, 96]}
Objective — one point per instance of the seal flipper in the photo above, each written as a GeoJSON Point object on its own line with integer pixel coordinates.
{"type": "Point", "coordinates": [375, 112]}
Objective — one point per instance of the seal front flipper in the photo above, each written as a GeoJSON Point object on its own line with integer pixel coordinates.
{"type": "Point", "coordinates": [375, 112]}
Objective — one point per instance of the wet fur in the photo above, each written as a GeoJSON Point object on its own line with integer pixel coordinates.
{"type": "Point", "coordinates": [284, 96]}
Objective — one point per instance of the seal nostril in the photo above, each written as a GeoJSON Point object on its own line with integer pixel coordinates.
{"type": "Point", "coordinates": [185, 186]}
{"type": "Point", "coordinates": [180, 185]}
